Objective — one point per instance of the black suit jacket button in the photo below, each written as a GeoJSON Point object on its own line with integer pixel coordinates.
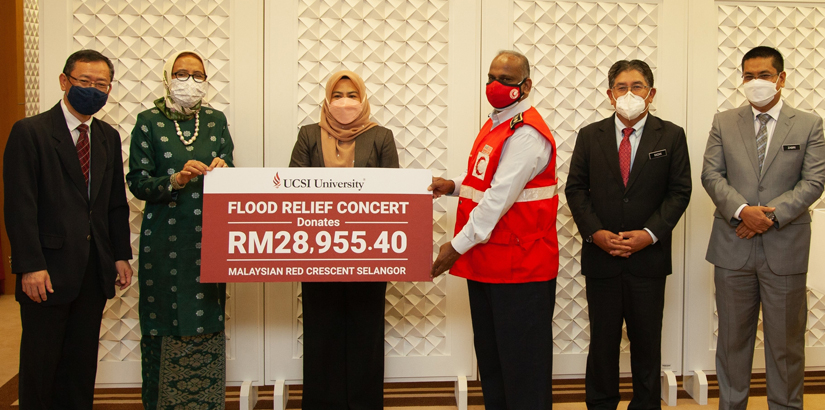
{"type": "Point", "coordinates": [761, 189]}
{"type": "Point", "coordinates": [625, 200]}
{"type": "Point", "coordinates": [88, 237]}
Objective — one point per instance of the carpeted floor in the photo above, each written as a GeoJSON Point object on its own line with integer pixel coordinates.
{"type": "Point", "coordinates": [568, 395]}
{"type": "Point", "coordinates": [10, 330]}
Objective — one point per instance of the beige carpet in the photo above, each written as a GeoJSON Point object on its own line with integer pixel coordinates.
{"type": "Point", "coordinates": [398, 396]}
{"type": "Point", "coordinates": [9, 338]}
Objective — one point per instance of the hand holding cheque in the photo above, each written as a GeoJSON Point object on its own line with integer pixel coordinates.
{"type": "Point", "coordinates": [447, 255]}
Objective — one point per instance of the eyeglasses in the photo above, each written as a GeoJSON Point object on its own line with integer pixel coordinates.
{"type": "Point", "coordinates": [763, 76]}
{"type": "Point", "coordinates": [198, 76]}
{"type": "Point", "coordinates": [100, 85]}
{"type": "Point", "coordinates": [637, 89]}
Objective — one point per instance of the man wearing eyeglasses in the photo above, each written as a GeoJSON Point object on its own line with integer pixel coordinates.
{"type": "Point", "coordinates": [67, 219]}
{"type": "Point", "coordinates": [764, 166]}
{"type": "Point", "coordinates": [629, 183]}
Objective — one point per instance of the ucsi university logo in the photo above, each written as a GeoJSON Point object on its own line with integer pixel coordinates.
{"type": "Point", "coordinates": [316, 183]}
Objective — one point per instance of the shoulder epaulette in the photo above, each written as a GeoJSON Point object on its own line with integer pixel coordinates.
{"type": "Point", "coordinates": [516, 121]}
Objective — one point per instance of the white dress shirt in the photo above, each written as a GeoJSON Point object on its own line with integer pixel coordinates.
{"type": "Point", "coordinates": [771, 125]}
{"type": "Point", "coordinates": [523, 156]}
{"type": "Point", "coordinates": [634, 138]}
{"type": "Point", "coordinates": [72, 122]}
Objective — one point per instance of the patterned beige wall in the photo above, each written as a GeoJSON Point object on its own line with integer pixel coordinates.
{"type": "Point", "coordinates": [571, 45]}
{"type": "Point", "coordinates": [797, 32]}
{"type": "Point", "coordinates": [400, 50]}
{"type": "Point", "coordinates": [31, 56]}
{"type": "Point", "coordinates": [138, 36]}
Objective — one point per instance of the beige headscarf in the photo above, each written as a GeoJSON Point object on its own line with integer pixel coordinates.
{"type": "Point", "coordinates": [166, 104]}
{"type": "Point", "coordinates": [337, 140]}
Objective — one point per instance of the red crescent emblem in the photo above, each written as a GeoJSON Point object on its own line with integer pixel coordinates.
{"type": "Point", "coordinates": [478, 164]}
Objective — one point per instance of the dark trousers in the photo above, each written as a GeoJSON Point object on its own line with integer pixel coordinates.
{"type": "Point", "coordinates": [513, 336]}
{"type": "Point", "coordinates": [58, 348]}
{"type": "Point", "coordinates": [343, 345]}
{"type": "Point", "coordinates": [639, 301]}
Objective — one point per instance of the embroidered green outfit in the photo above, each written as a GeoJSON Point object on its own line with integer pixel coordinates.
{"type": "Point", "coordinates": [181, 319]}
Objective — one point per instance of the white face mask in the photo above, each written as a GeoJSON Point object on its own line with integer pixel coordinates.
{"type": "Point", "coordinates": [631, 105]}
{"type": "Point", "coordinates": [187, 93]}
{"type": "Point", "coordinates": [760, 92]}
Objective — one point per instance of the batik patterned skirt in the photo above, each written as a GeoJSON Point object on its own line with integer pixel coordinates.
{"type": "Point", "coordinates": [184, 372]}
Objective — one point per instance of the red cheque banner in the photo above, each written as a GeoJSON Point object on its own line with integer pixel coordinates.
{"type": "Point", "coordinates": [316, 225]}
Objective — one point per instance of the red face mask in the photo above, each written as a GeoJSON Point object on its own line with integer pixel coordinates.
{"type": "Point", "coordinates": [501, 95]}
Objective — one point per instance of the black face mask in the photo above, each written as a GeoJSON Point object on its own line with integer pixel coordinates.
{"type": "Point", "coordinates": [86, 101]}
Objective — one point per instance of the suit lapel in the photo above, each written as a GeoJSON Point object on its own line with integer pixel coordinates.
{"type": "Point", "coordinates": [363, 148]}
{"type": "Point", "coordinates": [748, 136]}
{"type": "Point", "coordinates": [650, 137]}
{"type": "Point", "coordinates": [780, 132]}
{"type": "Point", "coordinates": [98, 157]}
{"type": "Point", "coordinates": [607, 141]}
{"type": "Point", "coordinates": [319, 147]}
{"type": "Point", "coordinates": [66, 150]}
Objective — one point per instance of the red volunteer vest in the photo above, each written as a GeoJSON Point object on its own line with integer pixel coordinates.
{"type": "Point", "coordinates": [523, 246]}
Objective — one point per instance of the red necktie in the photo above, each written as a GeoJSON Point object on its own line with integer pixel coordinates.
{"type": "Point", "coordinates": [83, 150]}
{"type": "Point", "coordinates": [624, 154]}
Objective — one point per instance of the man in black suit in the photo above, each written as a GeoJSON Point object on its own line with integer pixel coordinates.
{"type": "Point", "coordinates": [67, 219]}
{"type": "Point", "coordinates": [629, 184]}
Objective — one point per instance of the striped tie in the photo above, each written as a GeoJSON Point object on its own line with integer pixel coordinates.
{"type": "Point", "coordinates": [762, 138]}
{"type": "Point", "coordinates": [83, 150]}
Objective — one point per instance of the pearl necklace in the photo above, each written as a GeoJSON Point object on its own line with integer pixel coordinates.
{"type": "Point", "coordinates": [195, 136]}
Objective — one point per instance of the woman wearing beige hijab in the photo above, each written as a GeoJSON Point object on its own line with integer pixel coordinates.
{"type": "Point", "coordinates": [174, 143]}
{"type": "Point", "coordinates": [344, 321]}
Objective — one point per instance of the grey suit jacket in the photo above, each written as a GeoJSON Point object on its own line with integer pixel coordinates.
{"type": "Point", "coordinates": [374, 148]}
{"type": "Point", "coordinates": [792, 179]}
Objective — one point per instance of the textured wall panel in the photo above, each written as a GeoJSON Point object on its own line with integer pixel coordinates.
{"type": "Point", "coordinates": [138, 36]}
{"type": "Point", "coordinates": [571, 45]}
{"type": "Point", "coordinates": [797, 32]}
{"type": "Point", "coordinates": [399, 48]}
{"type": "Point", "coordinates": [31, 56]}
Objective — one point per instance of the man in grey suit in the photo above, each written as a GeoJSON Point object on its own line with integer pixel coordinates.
{"type": "Point", "coordinates": [764, 166]}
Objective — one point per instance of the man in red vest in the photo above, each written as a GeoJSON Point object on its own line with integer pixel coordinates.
{"type": "Point", "coordinates": [628, 185]}
{"type": "Point", "coordinates": [505, 242]}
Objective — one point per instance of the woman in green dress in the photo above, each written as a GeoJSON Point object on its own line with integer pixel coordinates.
{"type": "Point", "coordinates": [173, 145]}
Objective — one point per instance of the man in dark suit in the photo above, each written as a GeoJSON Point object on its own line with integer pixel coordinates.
{"type": "Point", "coordinates": [67, 219]}
{"type": "Point", "coordinates": [764, 166]}
{"type": "Point", "coordinates": [629, 184]}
